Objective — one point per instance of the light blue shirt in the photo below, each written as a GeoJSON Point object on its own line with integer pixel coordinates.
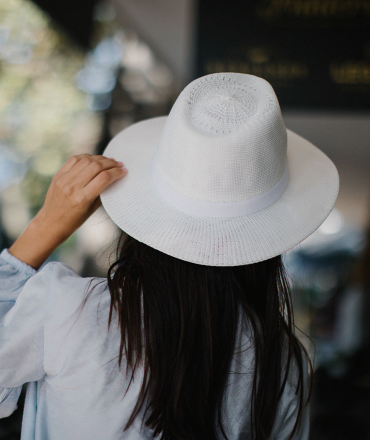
{"type": "Point", "coordinates": [76, 390]}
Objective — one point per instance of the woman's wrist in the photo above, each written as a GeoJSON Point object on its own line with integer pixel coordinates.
{"type": "Point", "coordinates": [55, 229]}
{"type": "Point", "coordinates": [37, 242]}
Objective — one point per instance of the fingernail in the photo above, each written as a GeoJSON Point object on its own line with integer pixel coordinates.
{"type": "Point", "coordinates": [125, 169]}
{"type": "Point", "coordinates": [120, 163]}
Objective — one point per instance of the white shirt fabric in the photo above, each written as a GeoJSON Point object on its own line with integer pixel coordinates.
{"type": "Point", "coordinates": [66, 352]}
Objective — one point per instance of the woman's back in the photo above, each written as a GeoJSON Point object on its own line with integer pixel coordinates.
{"type": "Point", "coordinates": [80, 391]}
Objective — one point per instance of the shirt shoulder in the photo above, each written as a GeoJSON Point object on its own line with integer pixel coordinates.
{"type": "Point", "coordinates": [66, 280]}
{"type": "Point", "coordinates": [71, 293]}
{"type": "Point", "coordinates": [76, 325]}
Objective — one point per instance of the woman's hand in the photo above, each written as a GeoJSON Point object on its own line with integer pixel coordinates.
{"type": "Point", "coordinates": [71, 198]}
{"type": "Point", "coordinates": [74, 192]}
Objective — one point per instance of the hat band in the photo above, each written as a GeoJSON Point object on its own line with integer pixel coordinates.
{"type": "Point", "coordinates": [219, 209]}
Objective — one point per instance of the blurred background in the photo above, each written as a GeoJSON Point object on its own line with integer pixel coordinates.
{"type": "Point", "coordinates": [73, 74]}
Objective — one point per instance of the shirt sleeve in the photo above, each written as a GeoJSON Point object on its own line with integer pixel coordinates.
{"type": "Point", "coordinates": [9, 400]}
{"type": "Point", "coordinates": [23, 302]}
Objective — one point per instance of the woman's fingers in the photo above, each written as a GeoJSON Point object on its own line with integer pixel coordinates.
{"type": "Point", "coordinates": [71, 162]}
{"type": "Point", "coordinates": [76, 164]}
{"type": "Point", "coordinates": [101, 181]}
{"type": "Point", "coordinates": [95, 168]}
{"type": "Point", "coordinates": [81, 164]}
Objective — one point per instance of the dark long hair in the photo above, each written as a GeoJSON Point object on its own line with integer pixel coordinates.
{"type": "Point", "coordinates": [179, 320]}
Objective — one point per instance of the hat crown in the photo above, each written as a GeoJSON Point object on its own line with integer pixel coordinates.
{"type": "Point", "coordinates": [224, 140]}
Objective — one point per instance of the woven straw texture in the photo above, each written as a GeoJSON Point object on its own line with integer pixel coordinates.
{"type": "Point", "coordinates": [208, 158]}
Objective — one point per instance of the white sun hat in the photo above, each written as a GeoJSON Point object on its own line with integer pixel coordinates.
{"type": "Point", "coordinates": [220, 181]}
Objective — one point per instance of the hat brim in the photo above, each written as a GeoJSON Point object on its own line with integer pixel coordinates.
{"type": "Point", "coordinates": [137, 208]}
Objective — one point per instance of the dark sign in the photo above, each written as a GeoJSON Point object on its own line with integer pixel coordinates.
{"type": "Point", "coordinates": [315, 53]}
{"type": "Point", "coordinates": [75, 17]}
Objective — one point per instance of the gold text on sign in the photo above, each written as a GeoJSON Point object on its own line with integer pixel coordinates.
{"type": "Point", "coordinates": [314, 9]}
{"type": "Point", "coordinates": [350, 72]}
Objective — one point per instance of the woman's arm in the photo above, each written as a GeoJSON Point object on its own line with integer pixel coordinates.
{"type": "Point", "coordinates": [71, 198]}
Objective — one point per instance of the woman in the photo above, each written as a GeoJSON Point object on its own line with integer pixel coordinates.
{"type": "Point", "coordinates": [191, 334]}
